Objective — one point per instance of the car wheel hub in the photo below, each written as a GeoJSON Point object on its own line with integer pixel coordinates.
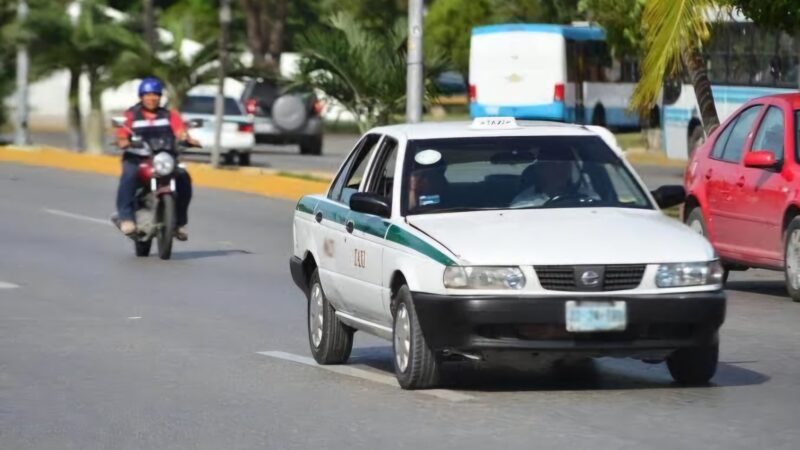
{"type": "Point", "coordinates": [402, 338]}
{"type": "Point", "coordinates": [315, 315]}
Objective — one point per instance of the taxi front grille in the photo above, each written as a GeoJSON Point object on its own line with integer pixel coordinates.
{"type": "Point", "coordinates": [612, 278]}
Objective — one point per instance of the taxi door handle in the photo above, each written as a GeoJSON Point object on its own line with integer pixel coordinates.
{"type": "Point", "coordinates": [349, 226]}
{"type": "Point", "coordinates": [708, 174]}
{"type": "Point", "coordinates": [318, 217]}
{"type": "Point", "coordinates": [740, 183]}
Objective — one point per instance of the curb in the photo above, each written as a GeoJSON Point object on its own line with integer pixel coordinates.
{"type": "Point", "coordinates": [265, 182]}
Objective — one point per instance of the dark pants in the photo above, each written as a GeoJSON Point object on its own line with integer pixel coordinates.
{"type": "Point", "coordinates": [129, 182]}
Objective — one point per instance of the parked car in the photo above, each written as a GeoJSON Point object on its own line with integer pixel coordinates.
{"type": "Point", "coordinates": [502, 241]}
{"type": "Point", "coordinates": [743, 187]}
{"type": "Point", "coordinates": [284, 117]}
{"type": "Point", "coordinates": [237, 128]}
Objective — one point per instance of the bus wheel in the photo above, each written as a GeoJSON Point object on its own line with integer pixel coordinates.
{"type": "Point", "coordinates": [599, 116]}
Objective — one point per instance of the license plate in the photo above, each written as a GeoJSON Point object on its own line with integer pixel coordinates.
{"type": "Point", "coordinates": [586, 317]}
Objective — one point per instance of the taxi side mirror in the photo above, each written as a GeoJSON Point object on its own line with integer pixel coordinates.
{"type": "Point", "coordinates": [669, 196]}
{"type": "Point", "coordinates": [118, 122]}
{"type": "Point", "coordinates": [367, 203]}
{"type": "Point", "coordinates": [194, 123]}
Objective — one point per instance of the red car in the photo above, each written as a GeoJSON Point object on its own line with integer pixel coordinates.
{"type": "Point", "coordinates": [743, 188]}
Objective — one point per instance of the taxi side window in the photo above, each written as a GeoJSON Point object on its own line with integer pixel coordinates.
{"type": "Point", "coordinates": [735, 145]}
{"type": "Point", "coordinates": [349, 179]}
{"type": "Point", "coordinates": [383, 178]}
{"type": "Point", "coordinates": [770, 133]}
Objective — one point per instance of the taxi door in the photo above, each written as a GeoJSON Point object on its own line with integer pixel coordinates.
{"type": "Point", "coordinates": [331, 215]}
{"type": "Point", "coordinates": [364, 243]}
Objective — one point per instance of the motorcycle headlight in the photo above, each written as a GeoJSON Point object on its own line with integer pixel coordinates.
{"type": "Point", "coordinates": [163, 164]}
{"type": "Point", "coordinates": [456, 277]}
{"type": "Point", "coordinates": [689, 274]}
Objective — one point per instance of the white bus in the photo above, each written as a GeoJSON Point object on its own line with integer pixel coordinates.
{"type": "Point", "coordinates": [743, 62]}
{"type": "Point", "coordinates": [550, 72]}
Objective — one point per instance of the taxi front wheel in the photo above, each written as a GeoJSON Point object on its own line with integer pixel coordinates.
{"type": "Point", "coordinates": [415, 364]}
{"type": "Point", "coordinates": [330, 340]}
{"type": "Point", "coordinates": [695, 365]}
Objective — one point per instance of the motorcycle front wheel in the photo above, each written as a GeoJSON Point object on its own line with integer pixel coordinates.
{"type": "Point", "coordinates": [166, 231]}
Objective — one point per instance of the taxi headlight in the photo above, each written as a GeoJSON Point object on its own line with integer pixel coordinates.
{"type": "Point", "coordinates": [456, 277]}
{"type": "Point", "coordinates": [163, 164]}
{"type": "Point", "coordinates": [689, 274]}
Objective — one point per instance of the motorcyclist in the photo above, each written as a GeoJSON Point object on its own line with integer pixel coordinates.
{"type": "Point", "coordinates": [149, 120]}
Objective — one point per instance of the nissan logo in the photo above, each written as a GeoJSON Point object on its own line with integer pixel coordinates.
{"type": "Point", "coordinates": [590, 278]}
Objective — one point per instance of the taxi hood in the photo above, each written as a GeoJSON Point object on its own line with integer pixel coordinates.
{"type": "Point", "coordinates": [576, 236]}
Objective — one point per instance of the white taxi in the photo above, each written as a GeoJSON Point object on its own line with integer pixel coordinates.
{"type": "Point", "coordinates": [500, 238]}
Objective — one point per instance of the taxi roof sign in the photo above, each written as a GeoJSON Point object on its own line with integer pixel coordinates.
{"type": "Point", "coordinates": [494, 123]}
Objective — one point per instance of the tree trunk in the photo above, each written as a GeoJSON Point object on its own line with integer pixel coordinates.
{"type": "Point", "coordinates": [276, 33]}
{"type": "Point", "coordinates": [95, 127]}
{"type": "Point", "coordinates": [150, 24]}
{"type": "Point", "coordinates": [257, 24]}
{"type": "Point", "coordinates": [74, 119]}
{"type": "Point", "coordinates": [694, 63]}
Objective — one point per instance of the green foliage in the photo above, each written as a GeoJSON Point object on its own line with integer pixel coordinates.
{"type": "Point", "coordinates": [536, 11]}
{"type": "Point", "coordinates": [7, 58]}
{"type": "Point", "coordinates": [197, 19]}
{"type": "Point", "coordinates": [448, 26]}
{"type": "Point", "coordinates": [373, 15]}
{"type": "Point", "coordinates": [622, 20]}
{"type": "Point", "coordinates": [362, 69]}
{"type": "Point", "coordinates": [781, 15]}
{"type": "Point", "coordinates": [672, 27]}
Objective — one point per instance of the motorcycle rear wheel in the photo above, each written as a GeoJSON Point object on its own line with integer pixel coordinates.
{"type": "Point", "coordinates": [166, 230]}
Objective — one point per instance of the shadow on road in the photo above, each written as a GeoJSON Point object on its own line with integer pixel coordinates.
{"type": "Point", "coordinates": [200, 254]}
{"type": "Point", "coordinates": [775, 288]}
{"type": "Point", "coordinates": [598, 374]}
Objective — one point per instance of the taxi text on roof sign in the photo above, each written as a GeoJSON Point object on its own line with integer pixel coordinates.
{"type": "Point", "coordinates": [494, 123]}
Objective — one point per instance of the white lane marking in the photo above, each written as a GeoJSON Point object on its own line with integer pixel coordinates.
{"type": "Point", "coordinates": [7, 285]}
{"type": "Point", "coordinates": [443, 394]}
{"type": "Point", "coordinates": [134, 317]}
{"type": "Point", "coordinates": [57, 212]}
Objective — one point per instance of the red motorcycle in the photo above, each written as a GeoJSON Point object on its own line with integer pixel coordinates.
{"type": "Point", "coordinates": [155, 197]}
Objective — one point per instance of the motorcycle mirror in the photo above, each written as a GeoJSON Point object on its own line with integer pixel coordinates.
{"type": "Point", "coordinates": [194, 123]}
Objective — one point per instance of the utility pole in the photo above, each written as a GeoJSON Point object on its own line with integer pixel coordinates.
{"type": "Point", "coordinates": [219, 106]}
{"type": "Point", "coordinates": [414, 67]}
{"type": "Point", "coordinates": [21, 136]}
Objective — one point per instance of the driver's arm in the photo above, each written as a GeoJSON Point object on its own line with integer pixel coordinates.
{"type": "Point", "coordinates": [124, 133]}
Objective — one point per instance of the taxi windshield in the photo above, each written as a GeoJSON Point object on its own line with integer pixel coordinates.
{"type": "Point", "coordinates": [466, 174]}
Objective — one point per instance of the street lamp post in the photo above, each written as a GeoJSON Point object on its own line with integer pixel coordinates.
{"type": "Point", "coordinates": [219, 105]}
{"type": "Point", "coordinates": [21, 136]}
{"type": "Point", "coordinates": [414, 79]}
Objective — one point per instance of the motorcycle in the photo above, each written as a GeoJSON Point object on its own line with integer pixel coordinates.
{"type": "Point", "coordinates": [156, 195]}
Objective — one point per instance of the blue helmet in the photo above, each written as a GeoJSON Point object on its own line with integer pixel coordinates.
{"type": "Point", "coordinates": [151, 85]}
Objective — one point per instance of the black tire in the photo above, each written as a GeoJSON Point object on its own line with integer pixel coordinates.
{"type": "Point", "coordinates": [599, 116]}
{"type": "Point", "coordinates": [166, 230]}
{"type": "Point", "coordinates": [694, 366]}
{"type": "Point", "coordinates": [695, 221]}
{"type": "Point", "coordinates": [335, 338]}
{"type": "Point", "coordinates": [422, 367]}
{"type": "Point", "coordinates": [143, 248]}
{"type": "Point", "coordinates": [791, 267]}
{"type": "Point", "coordinates": [230, 158]}
{"type": "Point", "coordinates": [244, 159]}
{"type": "Point", "coordinates": [311, 146]}
{"type": "Point", "coordinates": [695, 140]}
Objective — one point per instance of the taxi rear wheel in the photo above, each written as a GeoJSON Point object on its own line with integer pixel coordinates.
{"type": "Point", "coordinates": [695, 365]}
{"type": "Point", "coordinates": [415, 364]}
{"type": "Point", "coordinates": [330, 340]}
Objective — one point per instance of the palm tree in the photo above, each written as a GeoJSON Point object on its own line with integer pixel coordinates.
{"type": "Point", "coordinates": [674, 33]}
{"type": "Point", "coordinates": [364, 70]}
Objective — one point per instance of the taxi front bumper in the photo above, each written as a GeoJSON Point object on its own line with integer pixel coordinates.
{"type": "Point", "coordinates": [473, 324]}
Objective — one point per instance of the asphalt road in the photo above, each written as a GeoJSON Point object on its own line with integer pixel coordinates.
{"type": "Point", "coordinates": [101, 350]}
